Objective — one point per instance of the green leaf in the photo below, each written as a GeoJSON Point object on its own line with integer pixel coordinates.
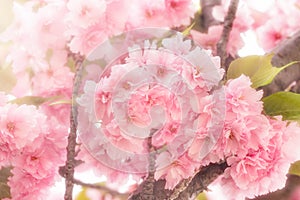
{"type": "Point", "coordinates": [7, 79]}
{"type": "Point", "coordinates": [71, 64]}
{"type": "Point", "coordinates": [82, 195]}
{"type": "Point", "coordinates": [286, 104]}
{"type": "Point", "coordinates": [295, 168]}
{"type": "Point", "coordinates": [201, 196]}
{"type": "Point", "coordinates": [258, 68]}
{"type": "Point", "coordinates": [187, 31]}
{"type": "Point", "coordinates": [34, 100]}
{"type": "Point", "coordinates": [62, 101]}
{"type": "Point", "coordinates": [4, 188]}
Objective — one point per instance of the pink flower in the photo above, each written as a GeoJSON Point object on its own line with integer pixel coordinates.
{"type": "Point", "coordinates": [179, 12]}
{"type": "Point", "coordinates": [243, 19]}
{"type": "Point", "coordinates": [147, 12]}
{"type": "Point", "coordinates": [48, 27]}
{"type": "Point", "coordinates": [40, 163]}
{"type": "Point", "coordinates": [241, 98]}
{"type": "Point", "coordinates": [206, 71]}
{"type": "Point", "coordinates": [35, 166]}
{"type": "Point", "coordinates": [173, 171]}
{"type": "Point", "coordinates": [121, 140]}
{"type": "Point", "coordinates": [242, 23]}
{"type": "Point", "coordinates": [259, 172]}
{"type": "Point", "coordinates": [257, 148]}
{"type": "Point", "coordinates": [270, 34]}
{"type": "Point", "coordinates": [100, 168]}
{"type": "Point", "coordinates": [291, 135]}
{"type": "Point", "coordinates": [246, 133]}
{"type": "Point", "coordinates": [116, 16]}
{"type": "Point", "coordinates": [209, 40]}
{"type": "Point", "coordinates": [152, 90]}
{"type": "Point", "coordinates": [85, 40]}
{"type": "Point", "coordinates": [161, 13]}
{"type": "Point", "coordinates": [23, 186]}
{"type": "Point", "coordinates": [53, 80]}
{"type": "Point", "coordinates": [271, 27]}
{"type": "Point", "coordinates": [166, 135]}
{"type": "Point", "coordinates": [19, 125]}
{"type": "Point", "coordinates": [263, 169]}
{"type": "Point", "coordinates": [85, 13]}
{"type": "Point", "coordinates": [177, 45]}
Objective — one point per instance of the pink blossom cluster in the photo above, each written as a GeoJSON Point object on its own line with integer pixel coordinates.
{"type": "Point", "coordinates": [43, 38]}
{"type": "Point", "coordinates": [268, 20]}
{"type": "Point", "coordinates": [242, 23]}
{"type": "Point", "coordinates": [46, 33]}
{"type": "Point", "coordinates": [34, 145]}
{"type": "Point", "coordinates": [127, 107]}
{"type": "Point", "coordinates": [256, 147]}
{"type": "Point", "coordinates": [158, 93]}
{"type": "Point", "coordinates": [274, 27]}
{"type": "Point", "coordinates": [162, 89]}
{"type": "Point", "coordinates": [91, 22]}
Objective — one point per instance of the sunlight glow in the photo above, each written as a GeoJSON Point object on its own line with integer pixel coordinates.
{"type": "Point", "coordinates": [251, 46]}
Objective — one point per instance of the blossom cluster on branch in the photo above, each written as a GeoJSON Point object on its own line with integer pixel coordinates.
{"type": "Point", "coordinates": [164, 88]}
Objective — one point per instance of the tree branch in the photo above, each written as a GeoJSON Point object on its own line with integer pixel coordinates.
{"type": "Point", "coordinates": [71, 153]}
{"type": "Point", "coordinates": [202, 179]}
{"type": "Point", "coordinates": [228, 23]}
{"type": "Point", "coordinates": [187, 188]}
{"type": "Point", "coordinates": [148, 187]}
{"type": "Point", "coordinates": [286, 52]}
{"type": "Point", "coordinates": [205, 18]}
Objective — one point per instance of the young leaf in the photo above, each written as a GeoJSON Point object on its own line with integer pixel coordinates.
{"type": "Point", "coordinates": [82, 195]}
{"type": "Point", "coordinates": [62, 101]}
{"type": "Point", "coordinates": [4, 188]}
{"type": "Point", "coordinates": [258, 68]}
{"type": "Point", "coordinates": [295, 168]}
{"type": "Point", "coordinates": [201, 196]}
{"type": "Point", "coordinates": [34, 100]}
{"type": "Point", "coordinates": [286, 104]}
{"type": "Point", "coordinates": [187, 31]}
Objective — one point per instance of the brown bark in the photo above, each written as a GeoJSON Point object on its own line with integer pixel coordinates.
{"type": "Point", "coordinates": [205, 19]}
{"type": "Point", "coordinates": [286, 52]}
{"type": "Point", "coordinates": [228, 23]}
{"type": "Point", "coordinates": [186, 189]}
{"type": "Point", "coordinates": [69, 167]}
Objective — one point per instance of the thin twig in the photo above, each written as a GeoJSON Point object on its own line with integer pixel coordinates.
{"type": "Point", "coordinates": [205, 18]}
{"type": "Point", "coordinates": [146, 190]}
{"type": "Point", "coordinates": [227, 27]}
{"type": "Point", "coordinates": [103, 189]}
{"type": "Point", "coordinates": [71, 153]}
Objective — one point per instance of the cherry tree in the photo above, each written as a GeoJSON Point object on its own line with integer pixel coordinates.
{"type": "Point", "coordinates": [152, 97]}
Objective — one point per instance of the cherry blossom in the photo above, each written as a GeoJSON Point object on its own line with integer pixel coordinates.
{"type": "Point", "coordinates": [147, 94]}
{"type": "Point", "coordinates": [85, 13]}
{"type": "Point", "coordinates": [255, 146]}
